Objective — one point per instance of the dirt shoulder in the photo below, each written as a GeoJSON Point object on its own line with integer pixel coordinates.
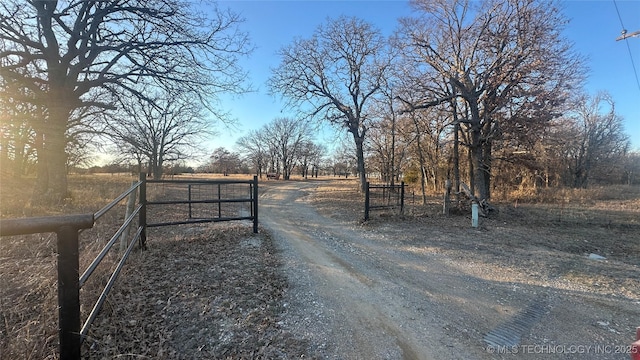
{"type": "Point", "coordinates": [433, 288]}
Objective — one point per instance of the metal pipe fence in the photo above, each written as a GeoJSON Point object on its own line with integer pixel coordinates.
{"type": "Point", "coordinates": [381, 197]}
{"type": "Point", "coordinates": [203, 201]}
{"type": "Point", "coordinates": [67, 228]}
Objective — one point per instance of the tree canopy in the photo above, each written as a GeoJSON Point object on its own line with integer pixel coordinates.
{"type": "Point", "coordinates": [336, 73]}
{"type": "Point", "coordinates": [75, 54]}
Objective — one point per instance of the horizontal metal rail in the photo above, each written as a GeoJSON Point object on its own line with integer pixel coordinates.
{"type": "Point", "coordinates": [372, 207]}
{"type": "Point", "coordinates": [36, 225]}
{"type": "Point", "coordinates": [94, 264]}
{"type": "Point", "coordinates": [200, 221]}
{"type": "Point", "coordinates": [208, 182]}
{"type": "Point", "coordinates": [385, 186]}
{"type": "Point", "coordinates": [103, 296]}
{"type": "Point", "coordinates": [108, 207]}
{"type": "Point", "coordinates": [211, 201]}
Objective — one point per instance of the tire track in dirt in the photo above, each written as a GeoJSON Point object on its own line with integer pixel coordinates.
{"type": "Point", "coordinates": [372, 318]}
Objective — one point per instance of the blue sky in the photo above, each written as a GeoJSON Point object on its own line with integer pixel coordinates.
{"type": "Point", "coordinates": [273, 24]}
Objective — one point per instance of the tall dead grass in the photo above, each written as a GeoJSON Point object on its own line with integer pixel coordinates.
{"type": "Point", "coordinates": [28, 276]}
{"type": "Point", "coordinates": [571, 195]}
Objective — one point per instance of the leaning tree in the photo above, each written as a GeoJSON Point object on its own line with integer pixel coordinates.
{"type": "Point", "coordinates": [75, 54]}
{"type": "Point", "coordinates": [336, 73]}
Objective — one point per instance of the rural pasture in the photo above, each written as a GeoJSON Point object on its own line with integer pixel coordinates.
{"type": "Point", "coordinates": [223, 276]}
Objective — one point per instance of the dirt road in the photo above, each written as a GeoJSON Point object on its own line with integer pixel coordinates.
{"type": "Point", "coordinates": [364, 293]}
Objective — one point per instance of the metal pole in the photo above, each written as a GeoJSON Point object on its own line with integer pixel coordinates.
{"type": "Point", "coordinates": [68, 293]}
{"type": "Point", "coordinates": [366, 202]}
{"type": "Point", "coordinates": [255, 204]}
{"type": "Point", "coordinates": [189, 190]}
{"type": "Point", "coordinates": [219, 203]}
{"type": "Point", "coordinates": [474, 214]}
{"type": "Point", "coordinates": [402, 197]}
{"type": "Point", "coordinates": [142, 216]}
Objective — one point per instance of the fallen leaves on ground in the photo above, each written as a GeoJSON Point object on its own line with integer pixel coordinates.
{"type": "Point", "coordinates": [198, 292]}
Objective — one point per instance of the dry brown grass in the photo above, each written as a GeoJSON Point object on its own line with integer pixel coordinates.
{"type": "Point", "coordinates": [131, 325]}
{"type": "Point", "coordinates": [607, 225]}
{"type": "Point", "coordinates": [569, 195]}
{"type": "Point", "coordinates": [28, 277]}
{"type": "Point", "coordinates": [609, 206]}
{"type": "Point", "coordinates": [207, 291]}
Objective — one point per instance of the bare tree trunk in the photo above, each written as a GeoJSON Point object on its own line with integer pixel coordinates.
{"type": "Point", "coordinates": [486, 169]}
{"type": "Point", "coordinates": [18, 158]}
{"type": "Point", "coordinates": [423, 170]}
{"type": "Point", "coordinates": [54, 189]}
{"type": "Point", "coordinates": [423, 182]}
{"type": "Point", "coordinates": [42, 169]}
{"type": "Point", "coordinates": [479, 187]}
{"type": "Point", "coordinates": [456, 158]}
{"type": "Point", "coordinates": [393, 145]}
{"type": "Point", "coordinates": [359, 140]}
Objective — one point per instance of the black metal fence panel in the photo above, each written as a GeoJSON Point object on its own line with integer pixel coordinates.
{"type": "Point", "coordinates": [176, 202]}
{"type": "Point", "coordinates": [381, 197]}
{"type": "Point", "coordinates": [188, 201]}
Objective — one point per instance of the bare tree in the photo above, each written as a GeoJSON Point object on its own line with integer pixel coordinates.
{"type": "Point", "coordinates": [337, 72]}
{"type": "Point", "coordinates": [255, 150]}
{"type": "Point", "coordinates": [76, 54]}
{"type": "Point", "coordinates": [595, 140]}
{"type": "Point", "coordinates": [309, 156]}
{"type": "Point", "coordinates": [505, 59]}
{"type": "Point", "coordinates": [286, 137]}
{"type": "Point", "coordinates": [224, 162]}
{"type": "Point", "coordinates": [632, 168]}
{"type": "Point", "coordinates": [164, 128]}
{"type": "Point", "coordinates": [17, 136]}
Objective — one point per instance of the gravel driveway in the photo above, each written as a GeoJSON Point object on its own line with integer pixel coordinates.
{"type": "Point", "coordinates": [387, 292]}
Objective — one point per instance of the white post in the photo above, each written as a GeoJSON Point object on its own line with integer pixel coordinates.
{"type": "Point", "coordinates": [474, 214]}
